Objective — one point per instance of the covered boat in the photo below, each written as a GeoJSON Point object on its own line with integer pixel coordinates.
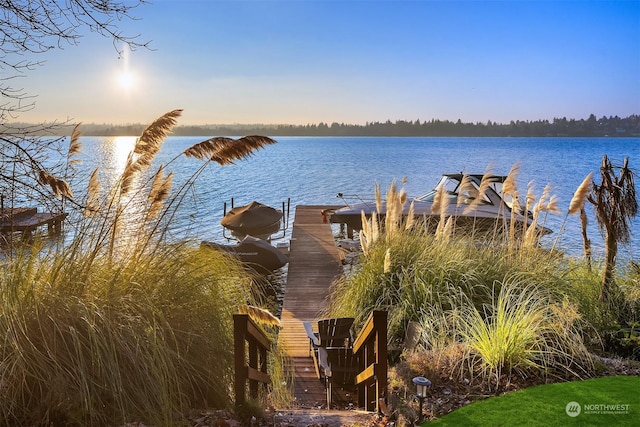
{"type": "Point", "coordinates": [255, 252]}
{"type": "Point", "coordinates": [255, 219]}
{"type": "Point", "coordinates": [471, 207]}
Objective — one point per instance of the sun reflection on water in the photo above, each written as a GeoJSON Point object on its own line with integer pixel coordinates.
{"type": "Point", "coordinates": [115, 152]}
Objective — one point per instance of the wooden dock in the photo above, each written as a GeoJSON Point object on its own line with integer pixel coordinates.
{"type": "Point", "coordinates": [27, 220]}
{"type": "Point", "coordinates": [314, 263]}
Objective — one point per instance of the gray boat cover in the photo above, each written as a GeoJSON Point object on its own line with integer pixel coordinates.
{"type": "Point", "coordinates": [255, 215]}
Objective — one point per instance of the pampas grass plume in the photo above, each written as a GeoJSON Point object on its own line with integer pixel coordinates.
{"type": "Point", "coordinates": [509, 185]}
{"type": "Point", "coordinates": [224, 151]}
{"type": "Point", "coordinates": [465, 186]}
{"type": "Point", "coordinates": [60, 187]}
{"type": "Point", "coordinates": [438, 200]}
{"type": "Point", "coordinates": [580, 196]}
{"type": "Point", "coordinates": [75, 146]}
{"type": "Point", "coordinates": [93, 191]}
{"type": "Point", "coordinates": [376, 189]}
{"type": "Point", "coordinates": [552, 206]}
{"type": "Point", "coordinates": [487, 179]}
{"type": "Point", "coordinates": [387, 261]}
{"type": "Point", "coordinates": [410, 217]}
{"type": "Point", "coordinates": [260, 315]}
{"type": "Point", "coordinates": [146, 148]}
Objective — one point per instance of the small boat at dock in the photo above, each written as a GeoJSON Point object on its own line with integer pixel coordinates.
{"type": "Point", "coordinates": [255, 252]}
{"type": "Point", "coordinates": [255, 219]}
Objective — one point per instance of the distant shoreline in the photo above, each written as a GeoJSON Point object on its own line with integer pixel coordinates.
{"type": "Point", "coordinates": [613, 126]}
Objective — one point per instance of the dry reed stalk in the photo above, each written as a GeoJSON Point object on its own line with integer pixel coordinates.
{"type": "Point", "coordinates": [150, 141]}
{"type": "Point", "coordinates": [394, 210]}
{"type": "Point", "coordinates": [365, 233]}
{"type": "Point", "coordinates": [376, 190]}
{"type": "Point", "coordinates": [515, 207]}
{"type": "Point", "coordinates": [530, 197]}
{"type": "Point", "coordinates": [400, 200]}
{"type": "Point", "coordinates": [375, 228]}
{"type": "Point", "coordinates": [160, 189]}
{"type": "Point", "coordinates": [146, 148]}
{"type": "Point", "coordinates": [531, 235]}
{"type": "Point", "coordinates": [260, 315]}
{"type": "Point", "coordinates": [444, 231]}
{"type": "Point", "coordinates": [438, 200]}
{"type": "Point", "coordinates": [115, 229]}
{"type": "Point", "coordinates": [577, 203]}
{"type": "Point", "coordinates": [390, 208]}
{"type": "Point", "coordinates": [224, 151]}
{"type": "Point", "coordinates": [440, 205]}
{"type": "Point", "coordinates": [485, 182]}
{"type": "Point", "coordinates": [552, 206]}
{"type": "Point", "coordinates": [93, 192]}
{"type": "Point", "coordinates": [387, 261]}
{"type": "Point", "coordinates": [509, 186]}
{"type": "Point", "coordinates": [75, 146]}
{"type": "Point", "coordinates": [581, 194]}
{"type": "Point", "coordinates": [548, 203]}
{"type": "Point", "coordinates": [60, 187]}
{"type": "Point", "coordinates": [466, 186]}
{"type": "Point", "coordinates": [540, 205]}
{"type": "Point", "coordinates": [410, 217]}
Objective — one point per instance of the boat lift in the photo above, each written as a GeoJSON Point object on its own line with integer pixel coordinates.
{"type": "Point", "coordinates": [283, 222]}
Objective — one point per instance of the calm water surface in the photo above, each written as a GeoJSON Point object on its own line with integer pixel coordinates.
{"type": "Point", "coordinates": [311, 170]}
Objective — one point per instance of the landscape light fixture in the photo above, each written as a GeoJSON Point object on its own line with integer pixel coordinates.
{"type": "Point", "coordinates": [422, 386]}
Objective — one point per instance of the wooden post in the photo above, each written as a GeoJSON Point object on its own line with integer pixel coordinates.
{"type": "Point", "coordinates": [371, 349]}
{"type": "Point", "coordinates": [239, 332]}
{"type": "Point", "coordinates": [250, 367]}
{"type": "Point", "coordinates": [380, 326]}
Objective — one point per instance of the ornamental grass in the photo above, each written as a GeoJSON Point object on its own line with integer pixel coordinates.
{"type": "Point", "coordinates": [488, 309]}
{"type": "Point", "coordinates": [122, 324]}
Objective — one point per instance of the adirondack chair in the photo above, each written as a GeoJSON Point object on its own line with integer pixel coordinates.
{"type": "Point", "coordinates": [332, 333]}
{"type": "Point", "coordinates": [331, 349]}
{"type": "Point", "coordinates": [341, 372]}
{"type": "Point", "coordinates": [335, 332]}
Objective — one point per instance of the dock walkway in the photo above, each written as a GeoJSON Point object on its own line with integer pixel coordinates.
{"type": "Point", "coordinates": [314, 263]}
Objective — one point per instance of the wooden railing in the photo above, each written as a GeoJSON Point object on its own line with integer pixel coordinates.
{"type": "Point", "coordinates": [370, 349]}
{"type": "Point", "coordinates": [250, 367]}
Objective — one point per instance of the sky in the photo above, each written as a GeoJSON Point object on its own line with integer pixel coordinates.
{"type": "Point", "coordinates": [308, 61]}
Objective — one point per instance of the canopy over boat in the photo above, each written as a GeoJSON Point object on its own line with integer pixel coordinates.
{"type": "Point", "coordinates": [255, 219]}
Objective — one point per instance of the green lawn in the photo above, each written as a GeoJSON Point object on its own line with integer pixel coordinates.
{"type": "Point", "coordinates": [610, 401]}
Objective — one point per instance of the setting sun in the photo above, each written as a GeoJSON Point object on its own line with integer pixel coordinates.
{"type": "Point", "coordinates": [126, 79]}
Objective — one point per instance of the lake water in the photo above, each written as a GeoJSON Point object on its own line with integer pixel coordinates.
{"type": "Point", "coordinates": [313, 170]}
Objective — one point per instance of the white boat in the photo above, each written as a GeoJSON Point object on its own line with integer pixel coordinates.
{"type": "Point", "coordinates": [494, 211]}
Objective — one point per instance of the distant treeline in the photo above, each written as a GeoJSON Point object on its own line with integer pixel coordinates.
{"type": "Point", "coordinates": [591, 127]}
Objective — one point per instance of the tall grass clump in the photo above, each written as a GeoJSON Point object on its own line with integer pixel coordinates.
{"type": "Point", "coordinates": [487, 308]}
{"type": "Point", "coordinates": [125, 343]}
{"type": "Point", "coordinates": [524, 331]}
{"type": "Point", "coordinates": [123, 324]}
{"type": "Point", "coordinates": [521, 331]}
{"type": "Point", "coordinates": [417, 268]}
